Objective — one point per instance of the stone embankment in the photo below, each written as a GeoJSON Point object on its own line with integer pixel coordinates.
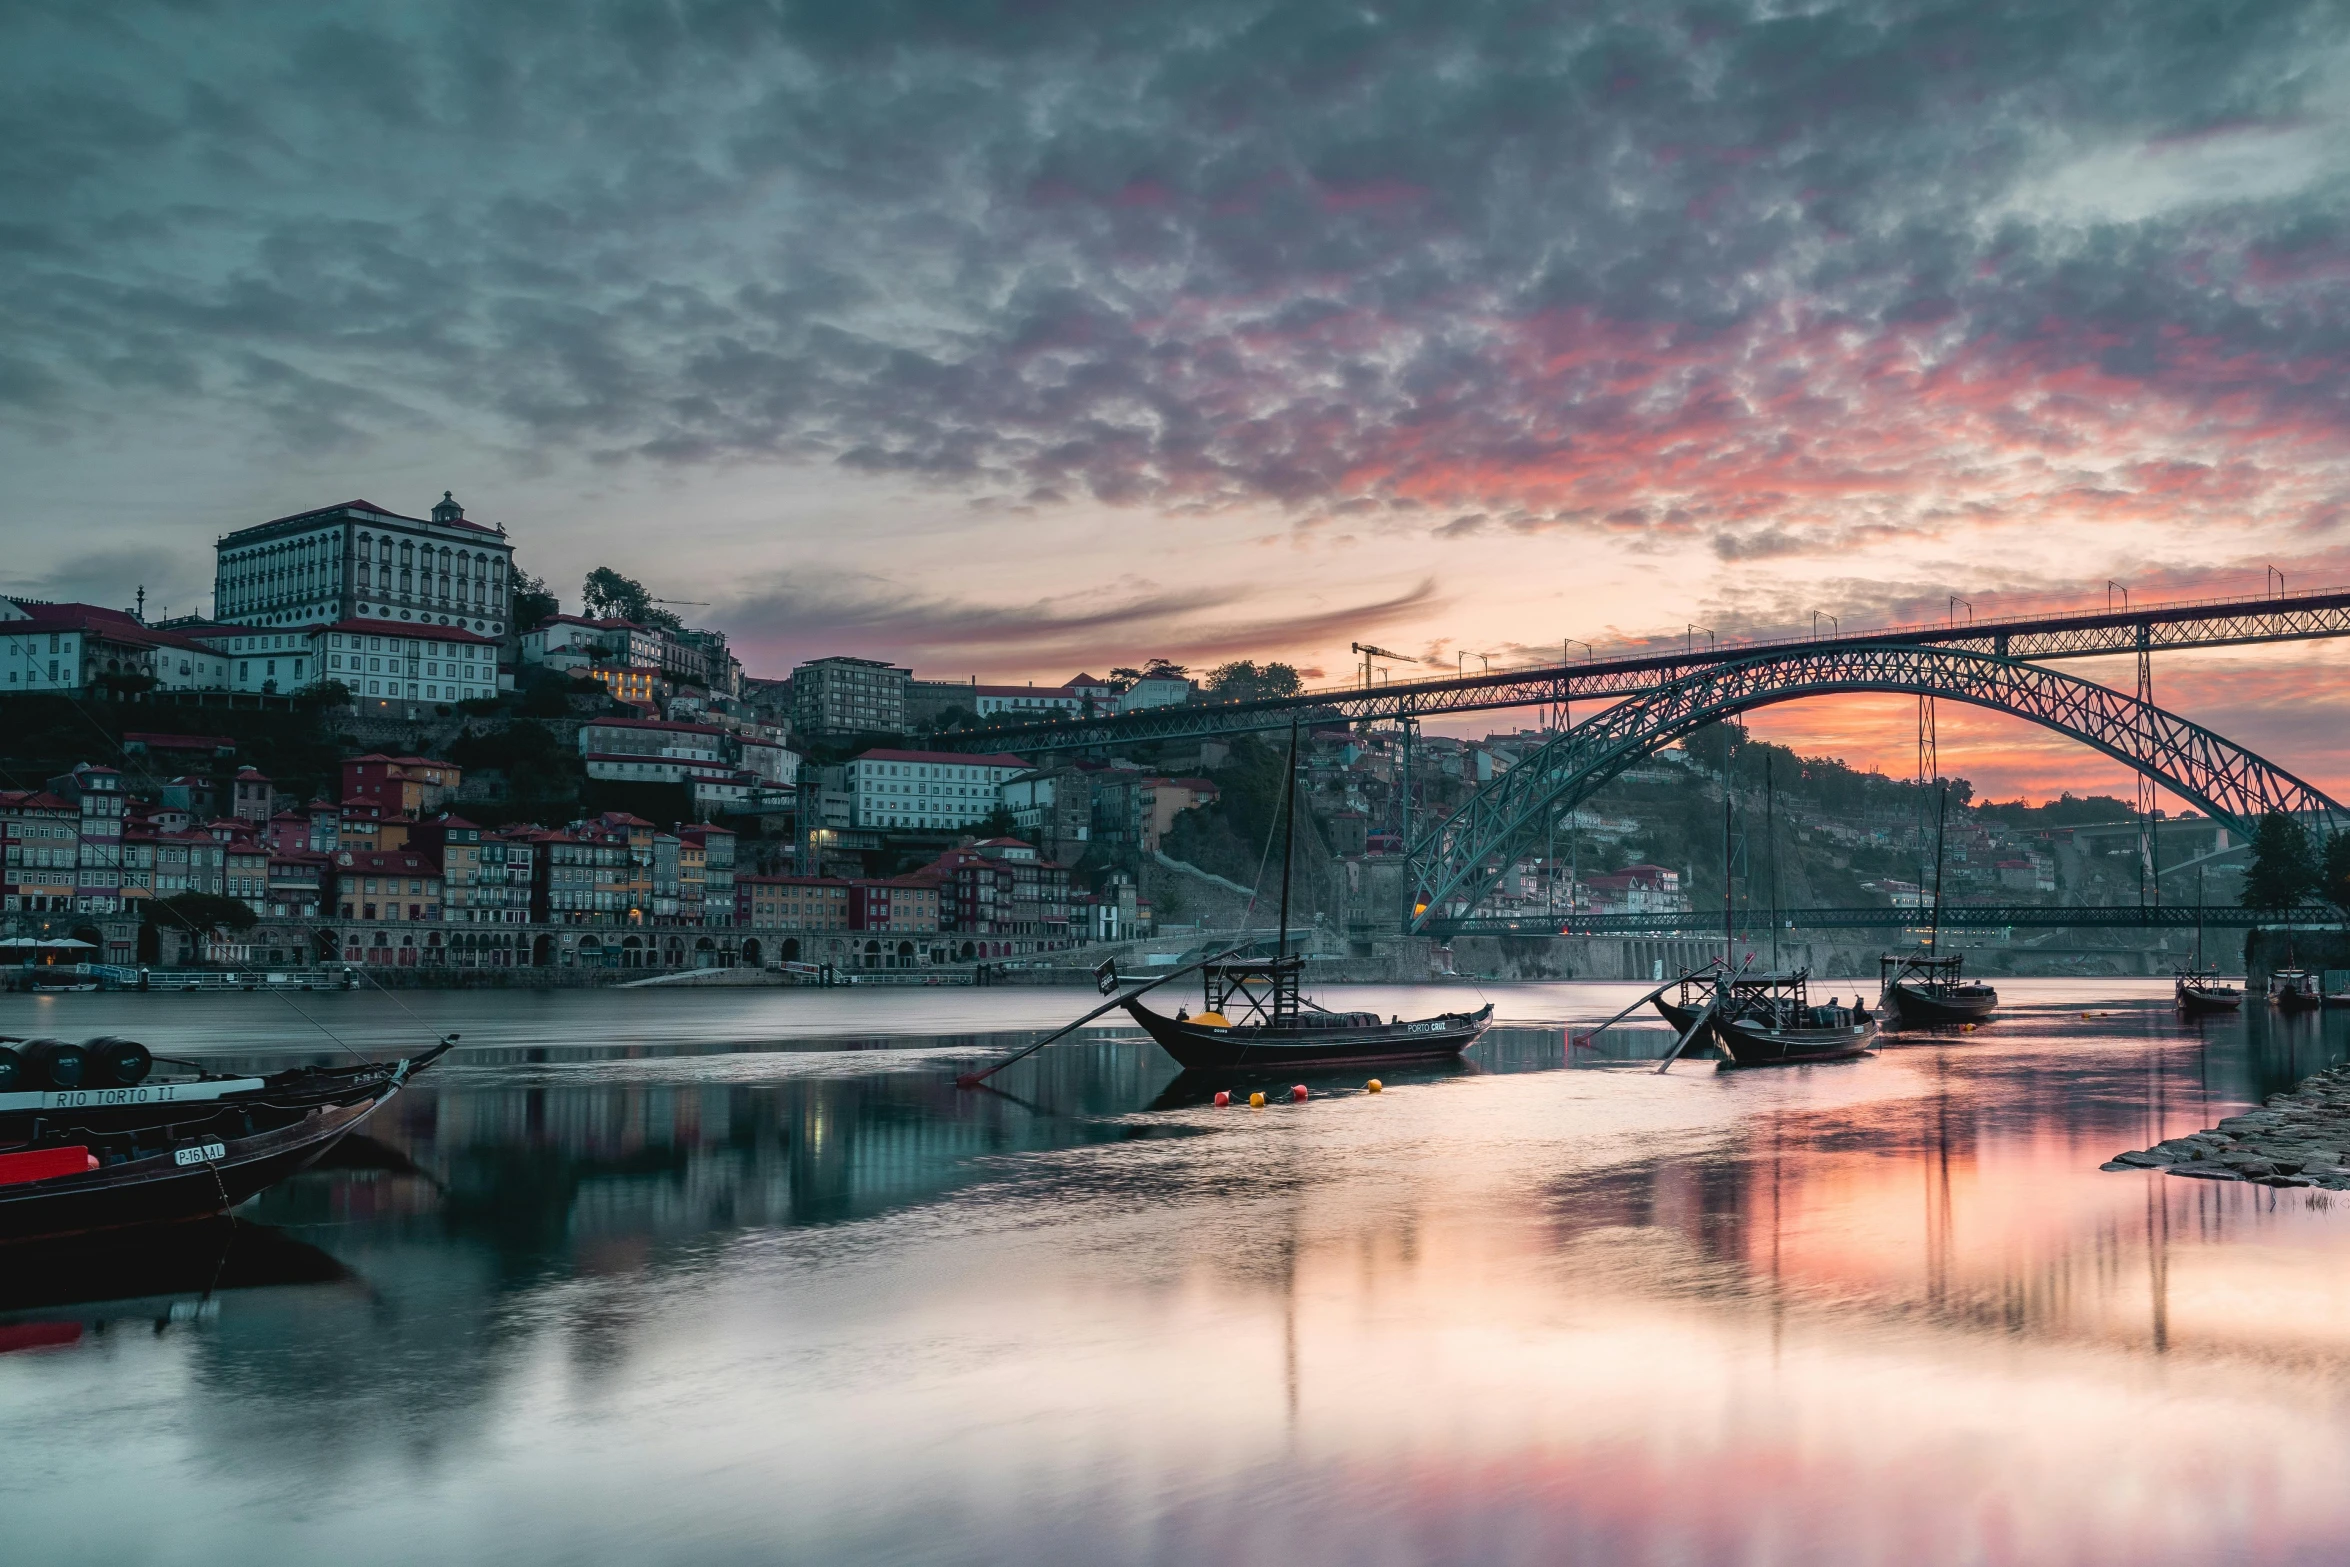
{"type": "Point", "coordinates": [2298, 1139]}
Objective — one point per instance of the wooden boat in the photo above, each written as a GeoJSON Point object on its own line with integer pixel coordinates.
{"type": "Point", "coordinates": [2204, 993]}
{"type": "Point", "coordinates": [2294, 990]}
{"type": "Point", "coordinates": [80, 1159]}
{"type": "Point", "coordinates": [1254, 1017]}
{"type": "Point", "coordinates": [2198, 991]}
{"type": "Point", "coordinates": [1925, 991]}
{"type": "Point", "coordinates": [1770, 1020]}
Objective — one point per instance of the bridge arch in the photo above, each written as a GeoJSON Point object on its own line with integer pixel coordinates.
{"type": "Point", "coordinates": [1457, 861]}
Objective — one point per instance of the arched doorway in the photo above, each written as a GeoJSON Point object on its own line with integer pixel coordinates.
{"type": "Point", "coordinates": [969, 952]}
{"type": "Point", "coordinates": [753, 954]}
{"type": "Point", "coordinates": [591, 952]}
{"type": "Point", "coordinates": [150, 947]}
{"type": "Point", "coordinates": [905, 954]}
{"type": "Point", "coordinates": [95, 937]}
{"type": "Point", "coordinates": [791, 949]}
{"type": "Point", "coordinates": [705, 953]}
{"type": "Point", "coordinates": [632, 952]}
{"type": "Point", "coordinates": [871, 956]}
{"type": "Point", "coordinates": [542, 951]}
{"type": "Point", "coordinates": [327, 946]}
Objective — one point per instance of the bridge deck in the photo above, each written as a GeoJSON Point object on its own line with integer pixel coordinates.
{"type": "Point", "coordinates": [2201, 623]}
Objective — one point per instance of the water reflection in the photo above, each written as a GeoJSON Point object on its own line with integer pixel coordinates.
{"type": "Point", "coordinates": [689, 1299]}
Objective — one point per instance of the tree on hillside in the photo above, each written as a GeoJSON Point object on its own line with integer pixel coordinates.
{"type": "Point", "coordinates": [1243, 681]}
{"type": "Point", "coordinates": [533, 605]}
{"type": "Point", "coordinates": [2283, 871]}
{"type": "Point", "coordinates": [199, 912]}
{"type": "Point", "coordinates": [2334, 873]}
{"type": "Point", "coordinates": [607, 592]}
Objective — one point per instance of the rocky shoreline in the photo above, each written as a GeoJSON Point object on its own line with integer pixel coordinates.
{"type": "Point", "coordinates": [2297, 1139]}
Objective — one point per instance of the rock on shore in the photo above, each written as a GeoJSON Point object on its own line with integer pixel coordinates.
{"type": "Point", "coordinates": [2297, 1139]}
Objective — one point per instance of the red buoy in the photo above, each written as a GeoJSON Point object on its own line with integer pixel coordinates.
{"type": "Point", "coordinates": [1298, 1093]}
{"type": "Point", "coordinates": [1222, 1099]}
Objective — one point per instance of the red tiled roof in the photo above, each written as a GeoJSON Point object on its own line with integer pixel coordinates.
{"type": "Point", "coordinates": [373, 509]}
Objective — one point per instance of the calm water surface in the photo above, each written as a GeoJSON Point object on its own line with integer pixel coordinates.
{"type": "Point", "coordinates": [740, 1276]}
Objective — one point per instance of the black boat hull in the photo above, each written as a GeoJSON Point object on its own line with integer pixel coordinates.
{"type": "Point", "coordinates": [1916, 1008]}
{"type": "Point", "coordinates": [1232, 1049]}
{"type": "Point", "coordinates": [159, 1190]}
{"type": "Point", "coordinates": [1747, 1045]}
{"type": "Point", "coordinates": [1681, 1017]}
{"type": "Point", "coordinates": [2206, 1000]}
{"type": "Point", "coordinates": [2296, 1001]}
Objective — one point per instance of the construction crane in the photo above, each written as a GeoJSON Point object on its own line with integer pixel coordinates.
{"type": "Point", "coordinates": [1369, 653]}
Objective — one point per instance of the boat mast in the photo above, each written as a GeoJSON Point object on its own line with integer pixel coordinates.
{"type": "Point", "coordinates": [2199, 921]}
{"type": "Point", "coordinates": [1288, 839]}
{"type": "Point", "coordinates": [1771, 842]}
{"type": "Point", "coordinates": [1729, 938]}
{"type": "Point", "coordinates": [1934, 931]}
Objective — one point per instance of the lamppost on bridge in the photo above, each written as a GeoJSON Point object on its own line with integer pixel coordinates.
{"type": "Point", "coordinates": [1690, 638]}
{"type": "Point", "coordinates": [1819, 615]}
{"type": "Point", "coordinates": [2111, 588]}
{"type": "Point", "coordinates": [1955, 601]}
{"type": "Point", "coordinates": [1590, 653]}
{"type": "Point", "coordinates": [2275, 581]}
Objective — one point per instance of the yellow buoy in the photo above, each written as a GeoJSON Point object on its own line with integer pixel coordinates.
{"type": "Point", "coordinates": [1256, 1101]}
{"type": "Point", "coordinates": [1373, 1086]}
{"type": "Point", "coordinates": [1967, 1028]}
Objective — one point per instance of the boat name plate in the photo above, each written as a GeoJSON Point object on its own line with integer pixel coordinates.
{"type": "Point", "coordinates": [145, 1094]}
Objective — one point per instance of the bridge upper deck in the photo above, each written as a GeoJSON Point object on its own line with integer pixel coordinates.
{"type": "Point", "coordinates": [2199, 623]}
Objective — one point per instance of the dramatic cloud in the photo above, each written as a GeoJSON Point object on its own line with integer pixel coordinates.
{"type": "Point", "coordinates": [1747, 275]}
{"type": "Point", "coordinates": [869, 618]}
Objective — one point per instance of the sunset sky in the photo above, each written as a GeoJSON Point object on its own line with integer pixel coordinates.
{"type": "Point", "coordinates": [1012, 339]}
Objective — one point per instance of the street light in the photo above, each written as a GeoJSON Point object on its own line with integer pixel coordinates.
{"type": "Point", "coordinates": [1955, 601]}
{"type": "Point", "coordinates": [1817, 616]}
{"type": "Point", "coordinates": [1690, 638]}
{"type": "Point", "coordinates": [2111, 588]}
{"type": "Point", "coordinates": [2278, 578]}
{"type": "Point", "coordinates": [1590, 653]}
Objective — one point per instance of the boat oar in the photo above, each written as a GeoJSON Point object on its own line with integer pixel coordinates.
{"type": "Point", "coordinates": [1594, 1033]}
{"type": "Point", "coordinates": [974, 1079]}
{"type": "Point", "coordinates": [1695, 1028]}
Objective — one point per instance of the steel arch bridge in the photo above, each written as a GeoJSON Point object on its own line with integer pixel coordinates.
{"type": "Point", "coordinates": [1456, 863]}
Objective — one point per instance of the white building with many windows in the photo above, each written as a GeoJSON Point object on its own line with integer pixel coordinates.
{"type": "Point", "coordinates": [357, 561]}
{"type": "Point", "coordinates": [926, 789]}
{"type": "Point", "coordinates": [384, 664]}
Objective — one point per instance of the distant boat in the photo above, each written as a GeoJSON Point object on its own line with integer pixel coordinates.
{"type": "Point", "coordinates": [2294, 990]}
{"type": "Point", "coordinates": [1924, 991]}
{"type": "Point", "coordinates": [1768, 1020]}
{"type": "Point", "coordinates": [2198, 990]}
{"type": "Point", "coordinates": [2204, 992]}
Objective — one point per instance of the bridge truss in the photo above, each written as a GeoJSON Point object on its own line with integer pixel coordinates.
{"type": "Point", "coordinates": [2156, 628]}
{"type": "Point", "coordinates": [1455, 864]}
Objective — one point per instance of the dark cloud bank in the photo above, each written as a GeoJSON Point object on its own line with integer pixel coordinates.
{"type": "Point", "coordinates": [1768, 281]}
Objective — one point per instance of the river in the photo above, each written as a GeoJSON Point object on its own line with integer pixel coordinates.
{"type": "Point", "coordinates": [740, 1276]}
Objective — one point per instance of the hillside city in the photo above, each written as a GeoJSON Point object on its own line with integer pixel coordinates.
{"type": "Point", "coordinates": [390, 747]}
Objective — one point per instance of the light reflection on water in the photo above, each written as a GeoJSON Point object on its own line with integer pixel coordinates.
{"type": "Point", "coordinates": [742, 1276]}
